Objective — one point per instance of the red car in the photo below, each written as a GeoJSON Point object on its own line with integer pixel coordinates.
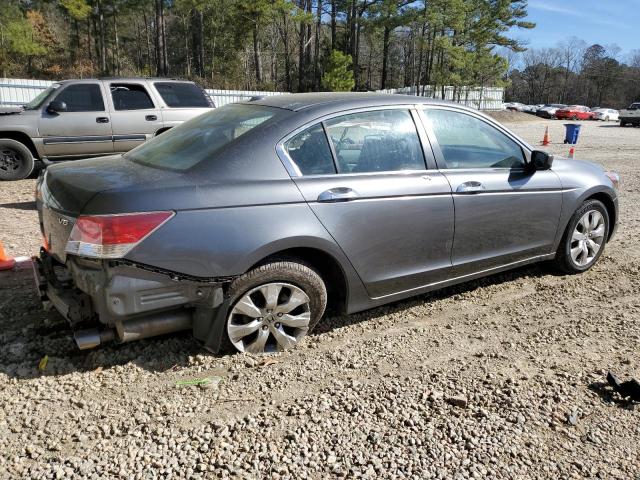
{"type": "Point", "coordinates": [575, 112]}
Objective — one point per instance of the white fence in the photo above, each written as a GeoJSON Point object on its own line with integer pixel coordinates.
{"type": "Point", "coordinates": [18, 91]}
{"type": "Point", "coordinates": [223, 97]}
{"type": "Point", "coordinates": [15, 92]}
{"type": "Point", "coordinates": [487, 98]}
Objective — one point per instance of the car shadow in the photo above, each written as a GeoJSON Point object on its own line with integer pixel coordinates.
{"type": "Point", "coordinates": [608, 395]}
{"type": "Point", "coordinates": [20, 205]}
{"type": "Point", "coordinates": [28, 333]}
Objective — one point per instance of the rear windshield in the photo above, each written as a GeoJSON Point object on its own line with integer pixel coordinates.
{"type": "Point", "coordinates": [198, 139]}
{"type": "Point", "coordinates": [185, 95]}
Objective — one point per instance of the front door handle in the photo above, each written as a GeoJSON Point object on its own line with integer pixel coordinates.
{"type": "Point", "coordinates": [470, 187]}
{"type": "Point", "coordinates": [150, 118]}
{"type": "Point", "coordinates": [102, 120]}
{"type": "Point", "coordinates": [338, 194]}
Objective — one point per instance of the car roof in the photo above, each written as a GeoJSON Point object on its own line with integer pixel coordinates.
{"type": "Point", "coordinates": [344, 101]}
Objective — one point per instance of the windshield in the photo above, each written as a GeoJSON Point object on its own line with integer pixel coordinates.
{"type": "Point", "coordinates": [198, 139]}
{"type": "Point", "coordinates": [42, 97]}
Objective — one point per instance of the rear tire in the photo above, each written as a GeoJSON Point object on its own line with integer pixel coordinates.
{"type": "Point", "coordinates": [16, 160]}
{"type": "Point", "coordinates": [587, 230]}
{"type": "Point", "coordinates": [260, 318]}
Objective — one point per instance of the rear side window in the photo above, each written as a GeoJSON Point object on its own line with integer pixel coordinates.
{"type": "Point", "coordinates": [311, 152]}
{"type": "Point", "coordinates": [468, 142]}
{"type": "Point", "coordinates": [200, 138]}
{"type": "Point", "coordinates": [83, 97]}
{"type": "Point", "coordinates": [130, 96]}
{"type": "Point", "coordinates": [182, 95]}
{"type": "Point", "coordinates": [379, 141]}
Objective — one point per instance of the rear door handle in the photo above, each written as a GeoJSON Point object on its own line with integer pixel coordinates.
{"type": "Point", "coordinates": [150, 118]}
{"type": "Point", "coordinates": [470, 187]}
{"type": "Point", "coordinates": [338, 194]}
{"type": "Point", "coordinates": [102, 120]}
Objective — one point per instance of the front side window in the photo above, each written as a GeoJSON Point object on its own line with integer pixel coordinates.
{"type": "Point", "coordinates": [379, 141]}
{"type": "Point", "coordinates": [83, 97]}
{"type": "Point", "coordinates": [200, 138]}
{"type": "Point", "coordinates": [182, 95]}
{"type": "Point", "coordinates": [310, 151]}
{"type": "Point", "coordinates": [130, 96]}
{"type": "Point", "coordinates": [468, 142]}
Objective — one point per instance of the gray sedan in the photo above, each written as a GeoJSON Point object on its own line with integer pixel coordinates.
{"type": "Point", "coordinates": [245, 224]}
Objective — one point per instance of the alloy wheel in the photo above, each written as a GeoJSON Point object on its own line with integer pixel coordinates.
{"type": "Point", "coordinates": [587, 238]}
{"type": "Point", "coordinates": [269, 318]}
{"type": "Point", "coordinates": [9, 160]}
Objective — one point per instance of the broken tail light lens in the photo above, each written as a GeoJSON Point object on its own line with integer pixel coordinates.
{"type": "Point", "coordinates": [112, 236]}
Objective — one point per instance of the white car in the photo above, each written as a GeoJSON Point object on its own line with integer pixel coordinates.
{"type": "Point", "coordinates": [607, 114]}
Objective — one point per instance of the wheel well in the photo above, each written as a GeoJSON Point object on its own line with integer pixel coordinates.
{"type": "Point", "coordinates": [22, 138]}
{"type": "Point", "coordinates": [328, 268]}
{"type": "Point", "coordinates": [611, 209]}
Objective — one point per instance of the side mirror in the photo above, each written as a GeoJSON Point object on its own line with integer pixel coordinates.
{"type": "Point", "coordinates": [56, 107]}
{"type": "Point", "coordinates": [541, 160]}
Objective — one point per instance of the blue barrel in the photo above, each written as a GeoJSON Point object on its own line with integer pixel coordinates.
{"type": "Point", "coordinates": [572, 133]}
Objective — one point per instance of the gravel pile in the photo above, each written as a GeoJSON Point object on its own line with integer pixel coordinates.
{"type": "Point", "coordinates": [498, 378]}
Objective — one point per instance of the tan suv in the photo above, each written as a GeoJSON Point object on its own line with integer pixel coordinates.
{"type": "Point", "coordinates": [82, 118]}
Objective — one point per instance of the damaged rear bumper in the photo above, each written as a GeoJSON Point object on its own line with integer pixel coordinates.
{"type": "Point", "coordinates": [122, 301]}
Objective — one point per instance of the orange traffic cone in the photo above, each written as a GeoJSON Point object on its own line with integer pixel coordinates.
{"type": "Point", "coordinates": [6, 262]}
{"type": "Point", "coordinates": [571, 152]}
{"type": "Point", "coordinates": [545, 140]}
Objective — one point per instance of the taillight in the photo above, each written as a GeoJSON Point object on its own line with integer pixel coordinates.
{"type": "Point", "coordinates": [112, 236]}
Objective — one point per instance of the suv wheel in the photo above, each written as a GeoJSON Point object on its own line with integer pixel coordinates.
{"type": "Point", "coordinates": [584, 240]}
{"type": "Point", "coordinates": [16, 160]}
{"type": "Point", "coordinates": [274, 306]}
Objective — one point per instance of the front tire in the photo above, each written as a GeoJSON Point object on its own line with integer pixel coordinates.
{"type": "Point", "coordinates": [584, 239]}
{"type": "Point", "coordinates": [16, 160]}
{"type": "Point", "coordinates": [274, 306]}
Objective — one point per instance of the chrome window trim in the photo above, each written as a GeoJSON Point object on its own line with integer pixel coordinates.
{"type": "Point", "coordinates": [293, 169]}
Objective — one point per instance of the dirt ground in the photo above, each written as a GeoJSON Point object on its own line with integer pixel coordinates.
{"type": "Point", "coordinates": [497, 378]}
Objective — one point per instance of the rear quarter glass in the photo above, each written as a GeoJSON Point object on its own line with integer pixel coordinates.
{"type": "Point", "coordinates": [182, 95]}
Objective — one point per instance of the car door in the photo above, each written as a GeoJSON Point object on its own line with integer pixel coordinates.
{"type": "Point", "coordinates": [83, 129]}
{"type": "Point", "coordinates": [365, 177]}
{"type": "Point", "coordinates": [135, 116]}
{"type": "Point", "coordinates": [504, 212]}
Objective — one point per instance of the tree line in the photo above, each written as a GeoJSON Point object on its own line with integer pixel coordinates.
{"type": "Point", "coordinates": [574, 72]}
{"type": "Point", "coordinates": [286, 45]}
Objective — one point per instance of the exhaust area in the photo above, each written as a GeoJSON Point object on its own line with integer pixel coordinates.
{"type": "Point", "coordinates": [135, 329]}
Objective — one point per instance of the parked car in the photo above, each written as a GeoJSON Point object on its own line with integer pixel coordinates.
{"type": "Point", "coordinates": [606, 114]}
{"type": "Point", "coordinates": [575, 112]}
{"type": "Point", "coordinates": [515, 106]}
{"type": "Point", "coordinates": [630, 115]}
{"type": "Point", "coordinates": [245, 223]}
{"type": "Point", "coordinates": [82, 118]}
{"type": "Point", "coordinates": [549, 110]}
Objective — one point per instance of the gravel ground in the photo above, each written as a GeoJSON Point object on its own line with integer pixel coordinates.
{"type": "Point", "coordinates": [497, 378]}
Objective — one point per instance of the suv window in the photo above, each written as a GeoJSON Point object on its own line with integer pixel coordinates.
{"type": "Point", "coordinates": [468, 142]}
{"type": "Point", "coordinates": [379, 141]}
{"type": "Point", "coordinates": [83, 97]}
{"type": "Point", "coordinates": [182, 95]}
{"type": "Point", "coordinates": [310, 151]}
{"type": "Point", "coordinates": [130, 96]}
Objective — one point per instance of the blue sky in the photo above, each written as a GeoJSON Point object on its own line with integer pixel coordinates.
{"type": "Point", "coordinates": [595, 21]}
